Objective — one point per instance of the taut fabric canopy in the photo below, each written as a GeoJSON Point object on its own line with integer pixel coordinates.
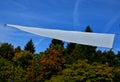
{"type": "Point", "coordinates": [93, 39]}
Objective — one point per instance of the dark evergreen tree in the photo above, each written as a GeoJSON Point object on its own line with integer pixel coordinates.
{"type": "Point", "coordinates": [18, 49]}
{"type": "Point", "coordinates": [57, 42]}
{"type": "Point", "coordinates": [98, 56]}
{"type": "Point", "coordinates": [103, 58]}
{"type": "Point", "coordinates": [118, 55]}
{"type": "Point", "coordinates": [30, 46]}
{"type": "Point", "coordinates": [89, 51]}
{"type": "Point", "coordinates": [70, 47]}
{"type": "Point", "coordinates": [78, 53]}
{"type": "Point", "coordinates": [117, 59]}
{"type": "Point", "coordinates": [68, 52]}
{"type": "Point", "coordinates": [7, 51]}
{"type": "Point", "coordinates": [88, 29]}
{"type": "Point", "coordinates": [75, 52]}
{"type": "Point", "coordinates": [110, 56]}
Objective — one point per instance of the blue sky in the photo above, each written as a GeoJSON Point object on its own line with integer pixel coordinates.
{"type": "Point", "coordinates": [102, 15]}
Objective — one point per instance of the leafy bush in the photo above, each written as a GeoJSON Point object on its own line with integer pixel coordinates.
{"type": "Point", "coordinates": [84, 72]}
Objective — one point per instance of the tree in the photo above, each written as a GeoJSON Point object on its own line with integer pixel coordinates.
{"type": "Point", "coordinates": [110, 56]}
{"type": "Point", "coordinates": [57, 42]}
{"type": "Point", "coordinates": [7, 51]}
{"type": "Point", "coordinates": [23, 59]}
{"type": "Point", "coordinates": [89, 51]}
{"type": "Point", "coordinates": [88, 29]}
{"type": "Point", "coordinates": [81, 71]}
{"type": "Point", "coordinates": [33, 72]}
{"type": "Point", "coordinates": [68, 52]}
{"type": "Point", "coordinates": [30, 46]}
{"type": "Point", "coordinates": [52, 61]}
{"type": "Point", "coordinates": [9, 73]}
{"type": "Point", "coordinates": [117, 59]}
{"type": "Point", "coordinates": [17, 49]}
{"type": "Point", "coordinates": [78, 53]}
{"type": "Point", "coordinates": [5, 70]}
{"type": "Point", "coordinates": [70, 47]}
{"type": "Point", "coordinates": [98, 56]}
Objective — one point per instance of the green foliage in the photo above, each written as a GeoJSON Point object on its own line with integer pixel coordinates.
{"type": "Point", "coordinates": [75, 63]}
{"type": "Point", "coordinates": [57, 42]}
{"type": "Point", "coordinates": [98, 55]}
{"type": "Point", "coordinates": [89, 51]}
{"type": "Point", "coordinates": [23, 58]}
{"type": "Point", "coordinates": [108, 57]}
{"type": "Point", "coordinates": [5, 70]}
{"type": "Point", "coordinates": [78, 53]}
{"type": "Point", "coordinates": [30, 46]}
{"type": "Point", "coordinates": [74, 52]}
{"type": "Point", "coordinates": [6, 51]}
{"type": "Point", "coordinates": [118, 55]}
{"type": "Point", "coordinates": [52, 61]}
{"type": "Point", "coordinates": [83, 72]}
{"type": "Point", "coordinates": [67, 52]}
{"type": "Point", "coordinates": [33, 72]}
{"type": "Point", "coordinates": [8, 72]}
{"type": "Point", "coordinates": [70, 47]}
{"type": "Point", "coordinates": [117, 59]}
{"type": "Point", "coordinates": [75, 55]}
{"type": "Point", "coordinates": [17, 49]}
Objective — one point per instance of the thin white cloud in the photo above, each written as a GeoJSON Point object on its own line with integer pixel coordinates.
{"type": "Point", "coordinates": [109, 25]}
{"type": "Point", "coordinates": [76, 14]}
{"type": "Point", "coordinates": [38, 41]}
{"type": "Point", "coordinates": [21, 6]}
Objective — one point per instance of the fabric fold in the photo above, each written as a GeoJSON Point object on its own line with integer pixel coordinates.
{"type": "Point", "coordinates": [85, 38]}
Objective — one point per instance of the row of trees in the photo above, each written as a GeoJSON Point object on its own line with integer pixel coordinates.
{"type": "Point", "coordinates": [73, 63]}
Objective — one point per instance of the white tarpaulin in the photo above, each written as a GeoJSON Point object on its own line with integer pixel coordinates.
{"type": "Point", "coordinates": [94, 39]}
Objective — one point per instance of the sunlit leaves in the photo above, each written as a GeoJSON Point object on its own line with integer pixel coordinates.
{"type": "Point", "coordinates": [83, 72]}
{"type": "Point", "coordinates": [8, 72]}
{"type": "Point", "coordinates": [52, 61]}
{"type": "Point", "coordinates": [23, 58]}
